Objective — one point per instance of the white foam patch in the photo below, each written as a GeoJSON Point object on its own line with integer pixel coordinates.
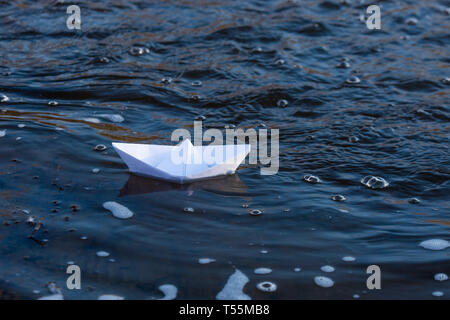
{"type": "Point", "coordinates": [57, 296]}
{"type": "Point", "coordinates": [440, 277]}
{"type": "Point", "coordinates": [435, 244]}
{"type": "Point", "coordinates": [110, 297]}
{"type": "Point", "coordinates": [119, 211]}
{"type": "Point", "coordinates": [102, 254]}
{"type": "Point", "coordinates": [348, 259]}
{"type": "Point", "coordinates": [323, 282]}
{"type": "Point", "coordinates": [233, 289]}
{"type": "Point", "coordinates": [262, 271]}
{"type": "Point", "coordinates": [92, 120]}
{"type": "Point", "coordinates": [438, 293]}
{"type": "Point", "coordinates": [327, 269]}
{"type": "Point", "coordinates": [2, 133]}
{"type": "Point", "coordinates": [206, 260]}
{"type": "Point", "coordinates": [113, 117]}
{"type": "Point", "coordinates": [169, 290]}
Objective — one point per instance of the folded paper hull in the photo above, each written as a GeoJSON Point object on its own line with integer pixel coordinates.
{"type": "Point", "coordinates": [183, 163]}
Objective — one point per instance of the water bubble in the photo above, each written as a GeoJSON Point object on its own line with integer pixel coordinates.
{"type": "Point", "coordinates": [83, 238]}
{"type": "Point", "coordinates": [264, 251]}
{"type": "Point", "coordinates": [374, 182]}
{"type": "Point", "coordinates": [102, 254]}
{"type": "Point", "coordinates": [435, 244]}
{"type": "Point", "coordinates": [255, 212]}
{"type": "Point", "coordinates": [2, 133]}
{"type": "Point", "coordinates": [200, 118]}
{"type": "Point", "coordinates": [4, 98]}
{"type": "Point", "coordinates": [21, 125]}
{"type": "Point", "coordinates": [267, 286]}
{"type": "Point", "coordinates": [311, 179]}
{"type": "Point", "coordinates": [353, 80]}
{"type": "Point", "coordinates": [446, 81]}
{"type": "Point", "coordinates": [323, 282]}
{"type": "Point", "coordinates": [438, 293]}
{"type": "Point", "coordinates": [188, 209]}
{"type": "Point", "coordinates": [440, 277]}
{"type": "Point", "coordinates": [297, 269]}
{"type": "Point", "coordinates": [95, 170]}
{"type": "Point", "coordinates": [348, 259]}
{"type": "Point", "coordinates": [356, 296]}
{"type": "Point", "coordinates": [282, 103]}
{"type": "Point", "coordinates": [104, 60]}
{"type": "Point", "coordinates": [196, 97]}
{"type": "Point", "coordinates": [343, 65]}
{"type": "Point", "coordinates": [206, 260]}
{"type": "Point", "coordinates": [257, 50]}
{"type": "Point", "coordinates": [138, 51]}
{"type": "Point", "coordinates": [166, 80]}
{"type": "Point", "coordinates": [100, 147]}
{"type": "Point", "coordinates": [411, 21]}
{"type": "Point", "coordinates": [196, 83]}
{"type": "Point", "coordinates": [353, 139]}
{"type": "Point", "coordinates": [262, 271]}
{"type": "Point", "coordinates": [338, 197]}
{"type": "Point", "coordinates": [327, 269]}
{"type": "Point", "coordinates": [70, 262]}
{"type": "Point", "coordinates": [279, 62]}
{"type": "Point", "coordinates": [414, 201]}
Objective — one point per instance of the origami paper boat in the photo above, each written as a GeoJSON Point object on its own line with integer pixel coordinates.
{"type": "Point", "coordinates": [182, 163]}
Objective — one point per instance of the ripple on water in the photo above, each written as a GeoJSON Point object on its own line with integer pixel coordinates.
{"type": "Point", "coordinates": [323, 282]}
{"type": "Point", "coordinates": [4, 98]}
{"type": "Point", "coordinates": [119, 211]}
{"type": "Point", "coordinates": [233, 289]}
{"type": "Point", "coordinates": [374, 182]}
{"type": "Point", "coordinates": [435, 244]}
{"type": "Point", "coordinates": [169, 291]}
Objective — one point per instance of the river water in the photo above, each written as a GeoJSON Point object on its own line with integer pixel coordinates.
{"type": "Point", "coordinates": [131, 74]}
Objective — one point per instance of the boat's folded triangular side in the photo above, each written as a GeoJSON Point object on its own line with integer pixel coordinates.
{"type": "Point", "coordinates": [182, 163]}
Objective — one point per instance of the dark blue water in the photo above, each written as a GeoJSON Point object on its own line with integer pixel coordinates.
{"type": "Point", "coordinates": [393, 124]}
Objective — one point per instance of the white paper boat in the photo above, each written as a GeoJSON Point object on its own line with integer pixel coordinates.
{"type": "Point", "coordinates": [182, 163]}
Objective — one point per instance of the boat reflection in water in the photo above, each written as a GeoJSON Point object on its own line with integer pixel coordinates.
{"type": "Point", "coordinates": [230, 185]}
